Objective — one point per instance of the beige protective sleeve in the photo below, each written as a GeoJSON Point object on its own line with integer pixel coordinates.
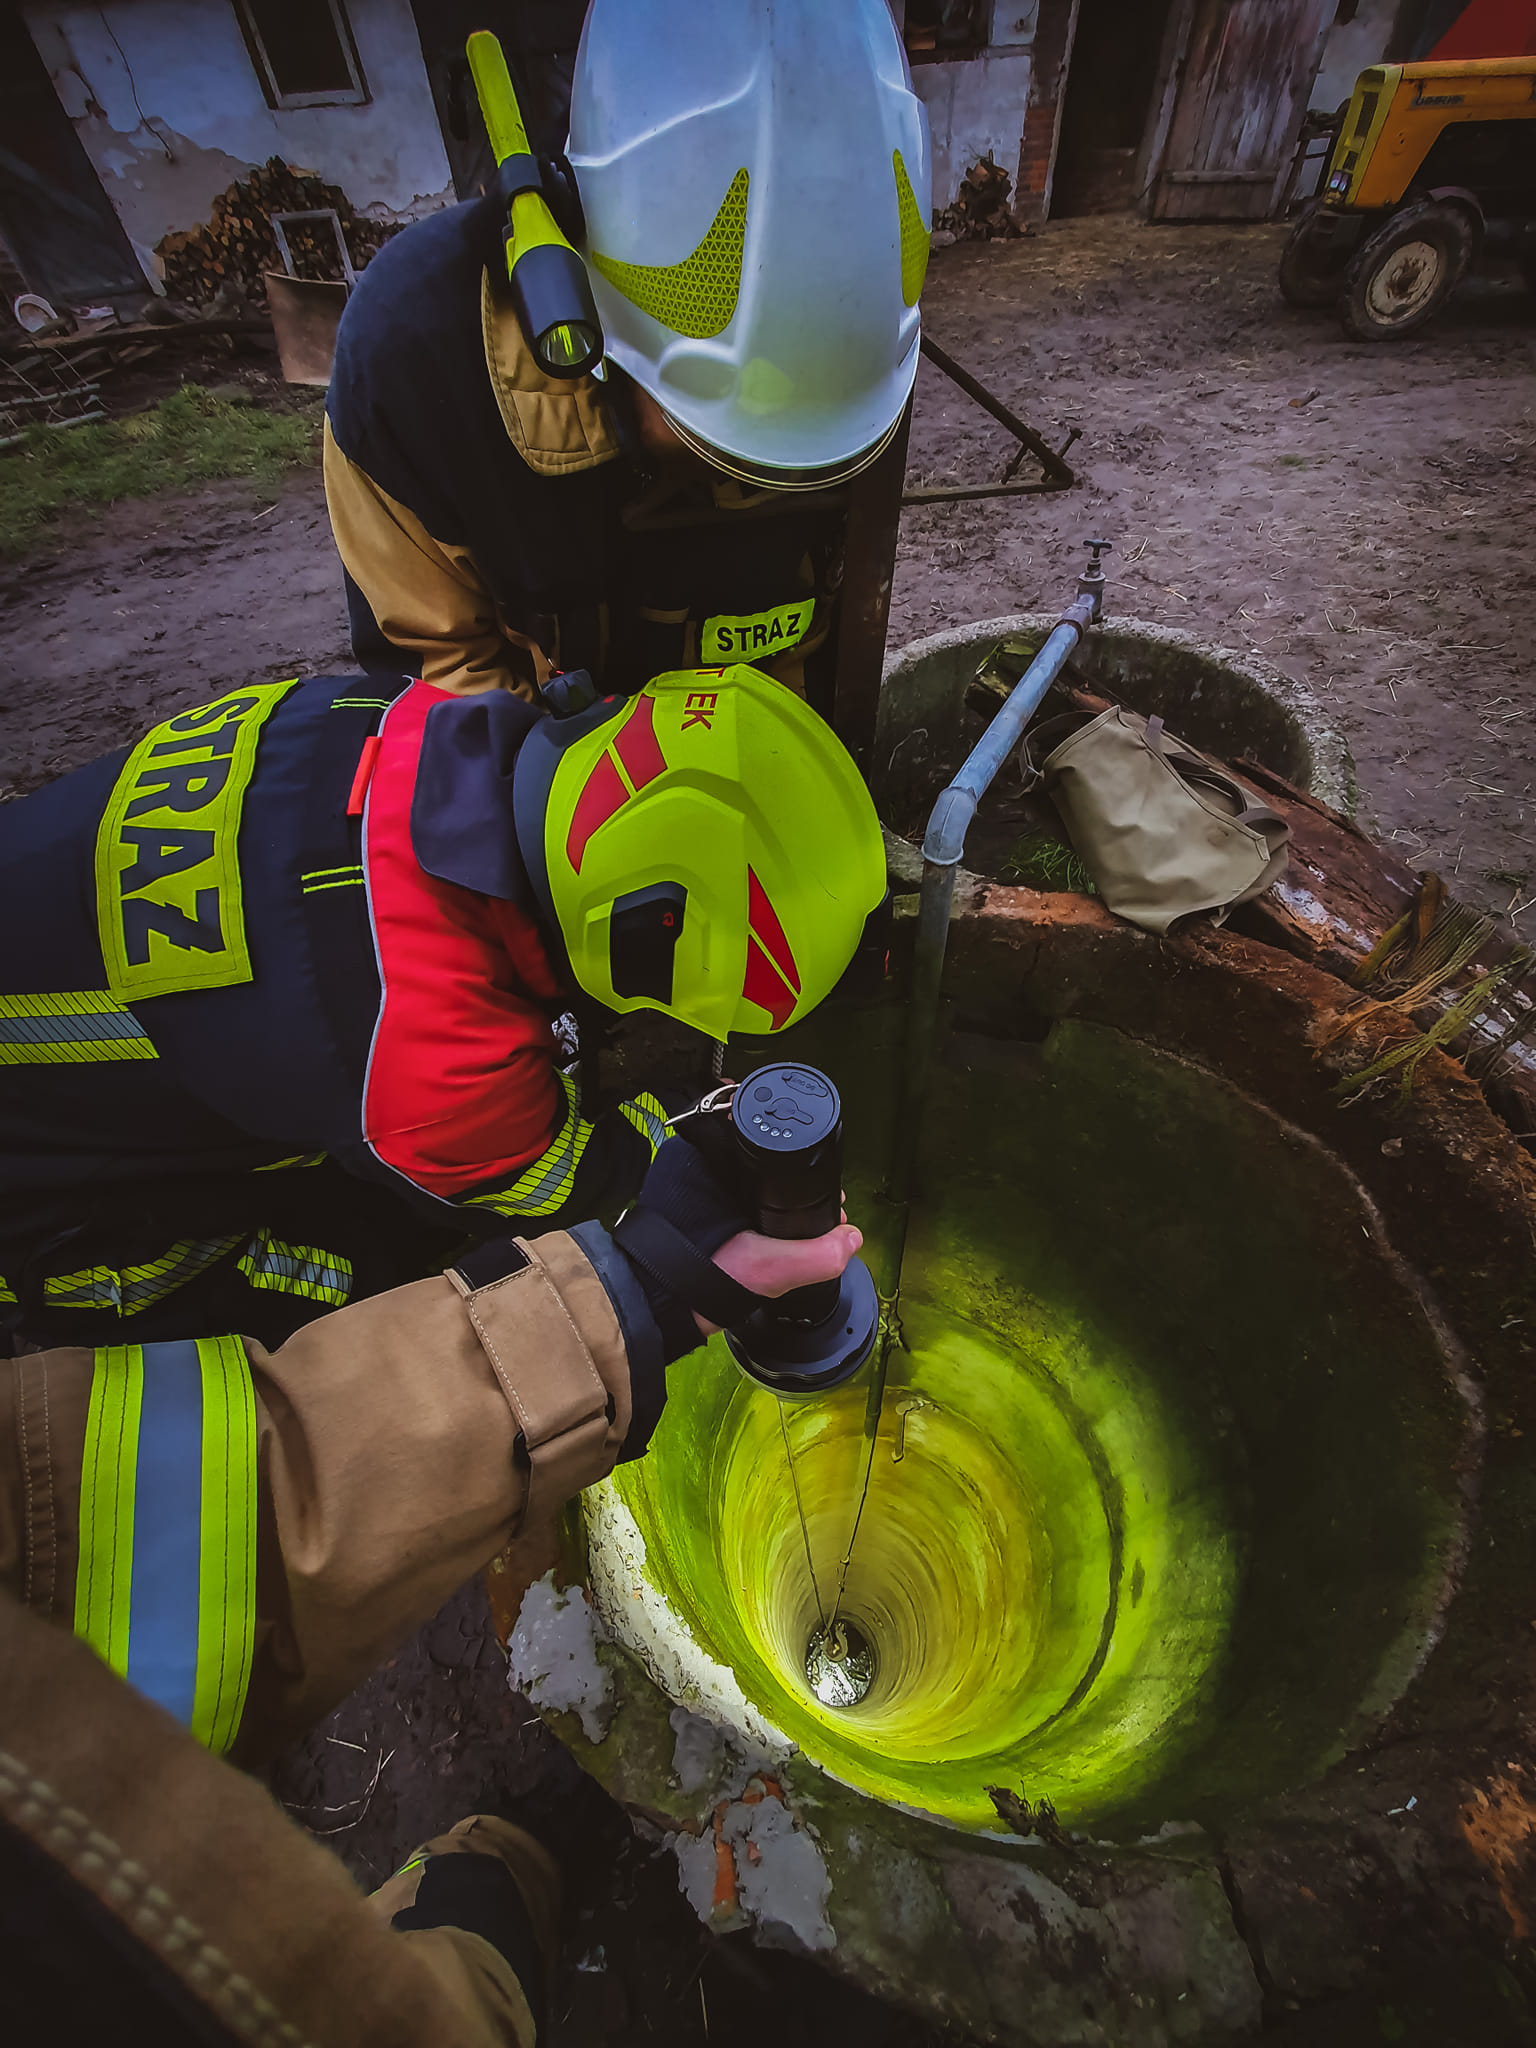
{"type": "Point", "coordinates": [202, 1872]}
{"type": "Point", "coordinates": [429, 599]}
{"type": "Point", "coordinates": [401, 1444]}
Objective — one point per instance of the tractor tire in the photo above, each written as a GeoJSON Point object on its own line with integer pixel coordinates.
{"type": "Point", "coordinates": [1312, 263]}
{"type": "Point", "coordinates": [1403, 275]}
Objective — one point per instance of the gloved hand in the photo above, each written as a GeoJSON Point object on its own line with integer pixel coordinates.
{"type": "Point", "coordinates": [693, 1252]}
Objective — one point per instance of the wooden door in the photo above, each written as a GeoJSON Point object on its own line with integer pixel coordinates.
{"type": "Point", "coordinates": [1235, 97]}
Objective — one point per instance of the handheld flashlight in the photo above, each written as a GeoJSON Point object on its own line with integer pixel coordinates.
{"type": "Point", "coordinates": [550, 291]}
{"type": "Point", "coordinates": [787, 1127]}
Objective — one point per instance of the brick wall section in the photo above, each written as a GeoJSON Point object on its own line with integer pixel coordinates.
{"type": "Point", "coordinates": [1048, 76]}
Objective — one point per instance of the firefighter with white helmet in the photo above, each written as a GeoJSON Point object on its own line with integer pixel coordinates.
{"type": "Point", "coordinates": [747, 199]}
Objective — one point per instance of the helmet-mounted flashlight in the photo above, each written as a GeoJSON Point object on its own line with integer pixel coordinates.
{"type": "Point", "coordinates": [550, 291]}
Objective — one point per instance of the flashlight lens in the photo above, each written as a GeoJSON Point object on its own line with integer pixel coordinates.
{"type": "Point", "coordinates": [568, 345]}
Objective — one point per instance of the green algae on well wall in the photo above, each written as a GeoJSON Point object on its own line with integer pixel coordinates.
{"type": "Point", "coordinates": [992, 1571]}
{"type": "Point", "coordinates": [1175, 1491]}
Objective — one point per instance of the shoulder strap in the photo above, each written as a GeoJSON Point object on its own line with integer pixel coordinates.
{"type": "Point", "coordinates": [1198, 768]}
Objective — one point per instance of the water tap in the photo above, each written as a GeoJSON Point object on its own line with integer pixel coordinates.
{"type": "Point", "coordinates": [1091, 582]}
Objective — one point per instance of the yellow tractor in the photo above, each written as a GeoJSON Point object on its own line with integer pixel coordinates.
{"type": "Point", "coordinates": [1431, 163]}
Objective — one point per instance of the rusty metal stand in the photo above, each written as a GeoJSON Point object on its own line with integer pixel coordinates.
{"type": "Point", "coordinates": [869, 563]}
{"type": "Point", "coordinates": [1056, 473]}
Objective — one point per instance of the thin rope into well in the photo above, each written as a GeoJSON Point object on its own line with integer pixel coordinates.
{"type": "Point", "coordinates": [805, 1534]}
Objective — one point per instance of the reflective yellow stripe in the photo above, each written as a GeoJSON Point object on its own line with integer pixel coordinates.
{"type": "Point", "coordinates": [132, 1289]}
{"type": "Point", "coordinates": [226, 1587]}
{"type": "Point", "coordinates": [348, 877]}
{"type": "Point", "coordinates": [69, 1027]}
{"type": "Point", "coordinates": [165, 1590]}
{"type": "Point", "coordinates": [696, 297]}
{"type": "Point", "coordinates": [169, 909]}
{"type": "Point", "coordinates": [104, 1575]}
{"type": "Point", "coordinates": [916, 241]}
{"type": "Point", "coordinates": [297, 1159]}
{"type": "Point", "coordinates": [7, 1293]}
{"type": "Point", "coordinates": [302, 1269]}
{"type": "Point", "coordinates": [543, 1187]}
{"type": "Point", "coordinates": [649, 1119]}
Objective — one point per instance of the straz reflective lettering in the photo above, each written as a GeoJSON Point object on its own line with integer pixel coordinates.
{"type": "Point", "coordinates": [699, 708]}
{"type": "Point", "coordinates": [168, 904]}
{"type": "Point", "coordinates": [756, 635]}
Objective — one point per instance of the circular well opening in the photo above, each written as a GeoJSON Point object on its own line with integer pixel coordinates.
{"type": "Point", "coordinates": [1164, 1497]}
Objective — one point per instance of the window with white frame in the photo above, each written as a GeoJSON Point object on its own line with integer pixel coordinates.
{"type": "Point", "coordinates": [303, 52]}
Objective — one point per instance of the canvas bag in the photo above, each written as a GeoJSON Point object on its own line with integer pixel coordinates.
{"type": "Point", "coordinates": [1165, 831]}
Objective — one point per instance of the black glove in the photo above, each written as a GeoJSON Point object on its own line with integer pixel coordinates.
{"type": "Point", "coordinates": [689, 1206]}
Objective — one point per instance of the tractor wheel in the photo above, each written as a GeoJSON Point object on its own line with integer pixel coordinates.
{"type": "Point", "coordinates": [1407, 270]}
{"type": "Point", "coordinates": [1312, 263]}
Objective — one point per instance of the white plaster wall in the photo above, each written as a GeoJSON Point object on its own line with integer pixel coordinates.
{"type": "Point", "coordinates": [171, 111]}
{"type": "Point", "coordinates": [1014, 21]}
{"type": "Point", "coordinates": [976, 104]}
{"type": "Point", "coordinates": [1351, 46]}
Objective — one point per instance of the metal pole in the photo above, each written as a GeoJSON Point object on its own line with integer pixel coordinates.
{"type": "Point", "coordinates": [943, 847]}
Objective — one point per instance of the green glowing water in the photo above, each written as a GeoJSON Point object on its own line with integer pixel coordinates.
{"type": "Point", "coordinates": [1044, 1577]}
{"type": "Point", "coordinates": [1164, 1487]}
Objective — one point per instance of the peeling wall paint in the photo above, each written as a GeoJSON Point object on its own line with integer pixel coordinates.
{"type": "Point", "coordinates": [165, 99]}
{"type": "Point", "coordinates": [1351, 47]}
{"type": "Point", "coordinates": [975, 105]}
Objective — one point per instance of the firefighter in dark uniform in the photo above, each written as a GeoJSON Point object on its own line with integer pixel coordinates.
{"type": "Point", "coordinates": [205, 1545]}
{"type": "Point", "coordinates": [751, 203]}
{"type": "Point", "coordinates": [278, 986]}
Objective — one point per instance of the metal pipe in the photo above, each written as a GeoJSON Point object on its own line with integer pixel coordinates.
{"type": "Point", "coordinates": [943, 846]}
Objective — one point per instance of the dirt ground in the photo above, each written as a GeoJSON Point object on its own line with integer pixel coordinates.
{"type": "Point", "coordinates": [1358, 515]}
{"type": "Point", "coordinates": [1361, 516]}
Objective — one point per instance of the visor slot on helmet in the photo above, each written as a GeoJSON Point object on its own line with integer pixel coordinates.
{"type": "Point", "coordinates": [643, 931]}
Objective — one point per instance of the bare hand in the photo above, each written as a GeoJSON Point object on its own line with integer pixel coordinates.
{"type": "Point", "coordinates": [777, 1265]}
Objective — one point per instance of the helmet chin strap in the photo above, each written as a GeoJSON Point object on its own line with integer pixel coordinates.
{"type": "Point", "coordinates": [779, 479]}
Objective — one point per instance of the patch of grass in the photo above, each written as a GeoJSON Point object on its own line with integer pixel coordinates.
{"type": "Point", "coordinates": [189, 438]}
{"type": "Point", "coordinates": [1042, 861]}
{"type": "Point", "coordinates": [1294, 461]}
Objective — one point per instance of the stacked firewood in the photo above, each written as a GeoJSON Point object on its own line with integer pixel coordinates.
{"type": "Point", "coordinates": [225, 259]}
{"type": "Point", "coordinates": [980, 212]}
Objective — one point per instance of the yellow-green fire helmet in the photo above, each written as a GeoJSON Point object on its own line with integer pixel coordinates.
{"type": "Point", "coordinates": [706, 848]}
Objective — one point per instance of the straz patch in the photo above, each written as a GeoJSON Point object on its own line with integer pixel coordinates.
{"type": "Point", "coordinates": [168, 902]}
{"type": "Point", "coordinates": [758, 634]}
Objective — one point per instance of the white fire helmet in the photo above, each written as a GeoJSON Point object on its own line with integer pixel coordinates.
{"type": "Point", "coordinates": [756, 183]}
